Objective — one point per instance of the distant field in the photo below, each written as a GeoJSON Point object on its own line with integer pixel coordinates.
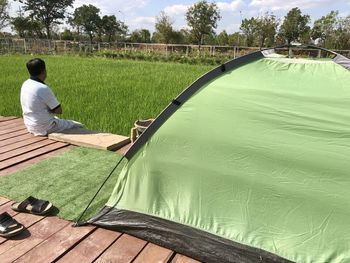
{"type": "Point", "coordinates": [104, 94]}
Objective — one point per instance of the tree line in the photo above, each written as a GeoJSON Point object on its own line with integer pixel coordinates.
{"type": "Point", "coordinates": [41, 19]}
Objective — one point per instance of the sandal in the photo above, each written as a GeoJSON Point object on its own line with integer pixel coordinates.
{"type": "Point", "coordinates": [33, 206]}
{"type": "Point", "coordinates": [8, 226]}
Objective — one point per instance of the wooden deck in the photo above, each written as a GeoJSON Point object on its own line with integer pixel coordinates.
{"type": "Point", "coordinates": [50, 239]}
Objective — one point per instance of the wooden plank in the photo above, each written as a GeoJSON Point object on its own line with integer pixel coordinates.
{"type": "Point", "coordinates": [20, 144]}
{"type": "Point", "coordinates": [55, 245]}
{"type": "Point", "coordinates": [88, 138]}
{"type": "Point", "coordinates": [3, 200]}
{"type": "Point", "coordinates": [12, 134]}
{"type": "Point", "coordinates": [124, 149]}
{"type": "Point", "coordinates": [16, 139]}
{"type": "Point", "coordinates": [154, 253]}
{"type": "Point", "coordinates": [4, 119]}
{"type": "Point", "coordinates": [32, 154]}
{"type": "Point", "coordinates": [12, 123]}
{"type": "Point", "coordinates": [25, 149]}
{"type": "Point", "coordinates": [183, 259]}
{"type": "Point", "coordinates": [12, 129]}
{"type": "Point", "coordinates": [26, 220]}
{"type": "Point", "coordinates": [34, 160]}
{"type": "Point", "coordinates": [91, 247]}
{"type": "Point", "coordinates": [7, 208]}
{"type": "Point", "coordinates": [124, 250]}
{"type": "Point", "coordinates": [39, 233]}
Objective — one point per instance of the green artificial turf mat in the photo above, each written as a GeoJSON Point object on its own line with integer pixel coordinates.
{"type": "Point", "coordinates": [68, 180]}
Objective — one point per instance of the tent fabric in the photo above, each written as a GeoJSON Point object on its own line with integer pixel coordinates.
{"type": "Point", "coordinates": [258, 156]}
{"type": "Point", "coordinates": [183, 239]}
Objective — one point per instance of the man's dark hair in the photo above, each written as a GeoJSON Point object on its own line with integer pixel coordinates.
{"type": "Point", "coordinates": [35, 66]}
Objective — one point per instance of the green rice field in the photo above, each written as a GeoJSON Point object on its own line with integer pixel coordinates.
{"type": "Point", "coordinates": [104, 94]}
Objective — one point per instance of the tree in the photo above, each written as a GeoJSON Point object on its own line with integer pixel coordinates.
{"type": "Point", "coordinates": [26, 26]}
{"type": "Point", "coordinates": [140, 36]}
{"type": "Point", "coordinates": [4, 16]}
{"type": "Point", "coordinates": [325, 29]}
{"type": "Point", "coordinates": [87, 17]}
{"type": "Point", "coordinates": [111, 27]}
{"type": "Point", "coordinates": [236, 39]}
{"type": "Point", "coordinates": [266, 27]}
{"type": "Point", "coordinates": [164, 29]}
{"type": "Point", "coordinates": [202, 18]}
{"type": "Point", "coordinates": [294, 26]}
{"type": "Point", "coordinates": [222, 38]}
{"type": "Point", "coordinates": [47, 12]}
{"type": "Point", "coordinates": [343, 34]}
{"type": "Point", "coordinates": [249, 29]}
{"type": "Point", "coordinates": [67, 34]}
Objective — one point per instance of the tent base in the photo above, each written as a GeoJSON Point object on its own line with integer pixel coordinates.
{"type": "Point", "coordinates": [183, 239]}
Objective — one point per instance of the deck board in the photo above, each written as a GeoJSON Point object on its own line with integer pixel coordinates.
{"type": "Point", "coordinates": [154, 253]}
{"type": "Point", "coordinates": [124, 250]}
{"type": "Point", "coordinates": [3, 200]}
{"type": "Point", "coordinates": [56, 245]}
{"type": "Point", "coordinates": [32, 154]}
{"type": "Point", "coordinates": [12, 123]}
{"type": "Point", "coordinates": [20, 138]}
{"type": "Point", "coordinates": [12, 129]}
{"type": "Point", "coordinates": [25, 149]}
{"type": "Point", "coordinates": [20, 144]}
{"type": "Point", "coordinates": [7, 208]}
{"type": "Point", "coordinates": [91, 247]}
{"type": "Point", "coordinates": [5, 119]}
{"type": "Point", "coordinates": [183, 259]}
{"type": "Point", "coordinates": [27, 221]}
{"type": "Point", "coordinates": [39, 233]}
{"type": "Point", "coordinates": [12, 134]}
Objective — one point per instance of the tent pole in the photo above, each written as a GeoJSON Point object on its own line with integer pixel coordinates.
{"type": "Point", "coordinates": [77, 223]}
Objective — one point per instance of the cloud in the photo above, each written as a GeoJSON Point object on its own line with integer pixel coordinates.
{"type": "Point", "coordinates": [276, 5]}
{"type": "Point", "coordinates": [113, 7]}
{"type": "Point", "coordinates": [146, 22]}
{"type": "Point", "coordinates": [234, 6]}
{"type": "Point", "coordinates": [176, 10]}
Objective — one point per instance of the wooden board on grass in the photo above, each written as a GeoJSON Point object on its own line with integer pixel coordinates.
{"type": "Point", "coordinates": [88, 138]}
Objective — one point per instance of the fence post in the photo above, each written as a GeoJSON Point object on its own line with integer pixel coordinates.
{"type": "Point", "coordinates": [234, 52]}
{"type": "Point", "coordinates": [25, 46]}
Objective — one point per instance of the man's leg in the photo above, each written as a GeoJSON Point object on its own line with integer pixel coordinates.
{"type": "Point", "coordinates": [60, 125]}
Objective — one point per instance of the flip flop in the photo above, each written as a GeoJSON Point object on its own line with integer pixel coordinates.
{"type": "Point", "coordinates": [9, 227]}
{"type": "Point", "coordinates": [33, 205]}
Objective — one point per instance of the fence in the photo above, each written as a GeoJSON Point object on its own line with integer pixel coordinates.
{"type": "Point", "coordinates": [43, 46]}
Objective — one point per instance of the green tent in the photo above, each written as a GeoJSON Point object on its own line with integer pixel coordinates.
{"type": "Point", "coordinates": [251, 163]}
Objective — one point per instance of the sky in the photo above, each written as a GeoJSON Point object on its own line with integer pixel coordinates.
{"type": "Point", "coordinates": [139, 14]}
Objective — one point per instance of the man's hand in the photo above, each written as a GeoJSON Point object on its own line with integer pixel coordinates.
{"type": "Point", "coordinates": [57, 110]}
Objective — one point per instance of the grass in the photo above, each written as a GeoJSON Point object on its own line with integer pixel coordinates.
{"type": "Point", "coordinates": [104, 94]}
{"type": "Point", "coordinates": [68, 180]}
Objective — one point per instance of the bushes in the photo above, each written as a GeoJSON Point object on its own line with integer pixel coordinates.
{"type": "Point", "coordinates": [173, 57]}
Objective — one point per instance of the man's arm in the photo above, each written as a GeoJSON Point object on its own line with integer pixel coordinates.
{"type": "Point", "coordinates": [57, 110]}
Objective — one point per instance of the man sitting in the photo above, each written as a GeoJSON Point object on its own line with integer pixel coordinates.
{"type": "Point", "coordinates": [39, 104]}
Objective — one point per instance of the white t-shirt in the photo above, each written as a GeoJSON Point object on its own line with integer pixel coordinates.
{"type": "Point", "coordinates": [37, 99]}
